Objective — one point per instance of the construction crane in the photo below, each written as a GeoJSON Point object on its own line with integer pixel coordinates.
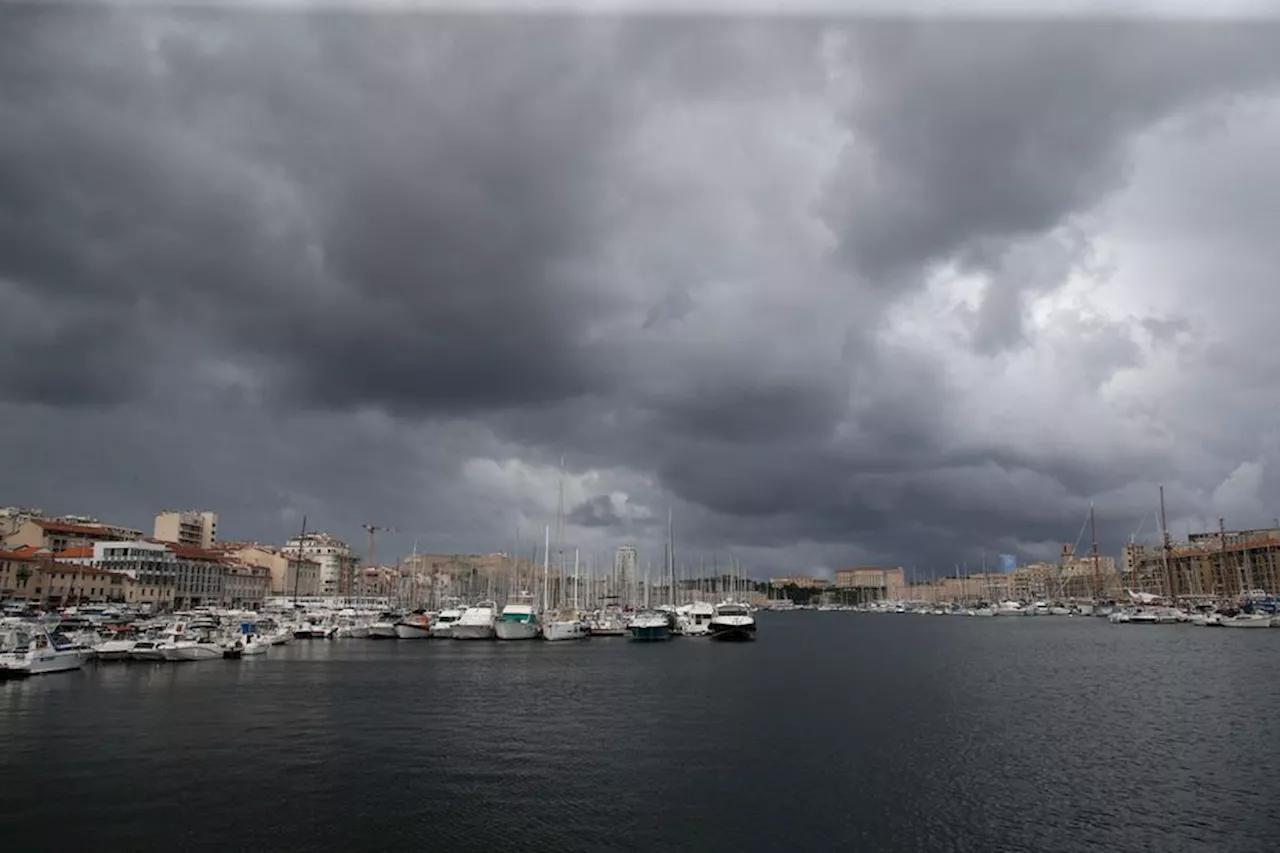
{"type": "Point", "coordinates": [373, 530]}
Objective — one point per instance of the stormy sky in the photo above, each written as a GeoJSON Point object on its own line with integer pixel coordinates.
{"type": "Point", "coordinates": [835, 291]}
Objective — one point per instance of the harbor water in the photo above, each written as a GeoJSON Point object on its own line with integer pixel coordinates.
{"type": "Point", "coordinates": [832, 731]}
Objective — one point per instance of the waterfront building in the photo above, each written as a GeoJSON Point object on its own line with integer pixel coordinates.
{"type": "Point", "coordinates": [59, 534]}
{"type": "Point", "coordinates": [330, 553]}
{"type": "Point", "coordinates": [188, 527]}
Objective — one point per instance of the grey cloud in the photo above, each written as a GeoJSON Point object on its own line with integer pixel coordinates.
{"type": "Point", "coordinates": [595, 512]}
{"type": "Point", "coordinates": [334, 257]}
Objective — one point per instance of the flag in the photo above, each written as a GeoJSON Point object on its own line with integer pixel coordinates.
{"type": "Point", "coordinates": [1008, 562]}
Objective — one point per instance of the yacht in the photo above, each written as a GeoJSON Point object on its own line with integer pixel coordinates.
{"type": "Point", "coordinates": [650, 626]}
{"type": "Point", "coordinates": [248, 643]}
{"type": "Point", "coordinates": [609, 621]}
{"type": "Point", "coordinates": [35, 650]}
{"type": "Point", "coordinates": [1247, 620]}
{"type": "Point", "coordinates": [415, 626]}
{"type": "Point", "coordinates": [518, 621]}
{"type": "Point", "coordinates": [694, 620]}
{"type": "Point", "coordinates": [191, 642]}
{"type": "Point", "coordinates": [476, 622]}
{"type": "Point", "coordinates": [116, 645]}
{"type": "Point", "coordinates": [442, 625]}
{"type": "Point", "coordinates": [565, 625]}
{"type": "Point", "coordinates": [732, 621]}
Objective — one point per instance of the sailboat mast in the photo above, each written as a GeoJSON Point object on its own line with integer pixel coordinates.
{"type": "Point", "coordinates": [546, 563]}
{"type": "Point", "coordinates": [575, 579]}
{"type": "Point", "coordinates": [1097, 576]}
{"type": "Point", "coordinates": [1164, 541]}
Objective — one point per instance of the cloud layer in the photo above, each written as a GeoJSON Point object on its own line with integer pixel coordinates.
{"type": "Point", "coordinates": [835, 292]}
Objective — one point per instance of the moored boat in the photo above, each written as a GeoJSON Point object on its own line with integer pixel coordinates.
{"type": "Point", "coordinates": [36, 650]}
{"type": "Point", "coordinates": [476, 622]}
{"type": "Point", "coordinates": [732, 621]}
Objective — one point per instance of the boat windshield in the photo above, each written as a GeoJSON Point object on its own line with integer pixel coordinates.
{"type": "Point", "coordinates": [733, 611]}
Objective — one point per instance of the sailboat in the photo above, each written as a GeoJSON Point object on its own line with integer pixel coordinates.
{"type": "Point", "coordinates": [567, 623]}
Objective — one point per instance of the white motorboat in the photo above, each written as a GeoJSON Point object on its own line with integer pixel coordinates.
{"type": "Point", "coordinates": [190, 643]}
{"type": "Point", "coordinates": [415, 626]}
{"type": "Point", "coordinates": [518, 621]}
{"type": "Point", "coordinates": [476, 622]}
{"type": "Point", "coordinates": [248, 643]}
{"type": "Point", "coordinates": [732, 621]}
{"type": "Point", "coordinates": [1247, 620]}
{"type": "Point", "coordinates": [442, 626]}
{"type": "Point", "coordinates": [694, 619]}
{"type": "Point", "coordinates": [117, 646]}
{"type": "Point", "coordinates": [35, 650]}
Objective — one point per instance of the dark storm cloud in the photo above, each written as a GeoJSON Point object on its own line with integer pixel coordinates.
{"type": "Point", "coordinates": [383, 208]}
{"type": "Point", "coordinates": [595, 512]}
{"type": "Point", "coordinates": [442, 238]}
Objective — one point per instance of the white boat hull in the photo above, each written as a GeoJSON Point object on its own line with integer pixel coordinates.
{"type": "Point", "coordinates": [147, 653]}
{"type": "Point", "coordinates": [194, 651]}
{"type": "Point", "coordinates": [1246, 622]}
{"type": "Point", "coordinates": [513, 630]}
{"type": "Point", "coordinates": [114, 650]}
{"type": "Point", "coordinates": [557, 631]}
{"type": "Point", "coordinates": [382, 631]}
{"type": "Point", "coordinates": [405, 631]}
{"type": "Point", "coordinates": [41, 662]}
{"type": "Point", "coordinates": [484, 631]}
{"type": "Point", "coordinates": [442, 631]}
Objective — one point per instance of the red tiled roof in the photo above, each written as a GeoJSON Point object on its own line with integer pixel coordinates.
{"type": "Point", "coordinates": [75, 553]}
{"type": "Point", "coordinates": [24, 554]}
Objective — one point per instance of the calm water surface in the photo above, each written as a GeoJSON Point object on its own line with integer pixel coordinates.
{"type": "Point", "coordinates": [833, 731]}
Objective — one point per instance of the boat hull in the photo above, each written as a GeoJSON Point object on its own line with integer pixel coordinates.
{"type": "Point", "coordinates": [406, 631]}
{"type": "Point", "coordinates": [472, 632]}
{"type": "Point", "coordinates": [650, 633]}
{"type": "Point", "coordinates": [43, 662]}
{"type": "Point", "coordinates": [733, 633]}
{"type": "Point", "coordinates": [559, 631]}
{"type": "Point", "coordinates": [197, 651]}
{"type": "Point", "coordinates": [382, 631]}
{"type": "Point", "coordinates": [511, 629]}
{"type": "Point", "coordinates": [442, 632]}
{"type": "Point", "coordinates": [1236, 622]}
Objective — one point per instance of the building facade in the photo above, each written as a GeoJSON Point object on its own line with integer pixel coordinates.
{"type": "Point", "coordinates": [331, 554]}
{"type": "Point", "coordinates": [59, 534]}
{"type": "Point", "coordinates": [188, 527]}
{"type": "Point", "coordinates": [625, 563]}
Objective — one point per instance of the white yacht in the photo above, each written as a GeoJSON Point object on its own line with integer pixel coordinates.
{"type": "Point", "coordinates": [35, 650]}
{"type": "Point", "coordinates": [442, 627]}
{"type": "Point", "coordinates": [190, 642]}
{"type": "Point", "coordinates": [732, 621]}
{"type": "Point", "coordinates": [116, 645]}
{"type": "Point", "coordinates": [694, 620]}
{"type": "Point", "coordinates": [476, 622]}
{"type": "Point", "coordinates": [248, 643]}
{"type": "Point", "coordinates": [1247, 620]}
{"type": "Point", "coordinates": [518, 620]}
